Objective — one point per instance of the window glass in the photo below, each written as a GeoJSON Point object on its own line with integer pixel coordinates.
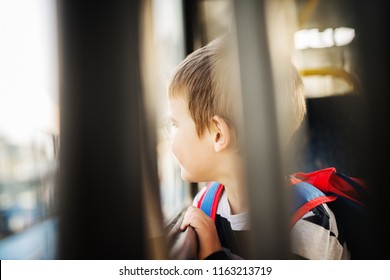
{"type": "Point", "coordinates": [28, 128]}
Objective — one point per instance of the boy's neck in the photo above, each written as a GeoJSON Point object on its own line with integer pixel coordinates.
{"type": "Point", "coordinates": [235, 188]}
{"type": "Point", "coordinates": [237, 201]}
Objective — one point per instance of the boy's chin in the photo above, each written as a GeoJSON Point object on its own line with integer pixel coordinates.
{"type": "Point", "coordinates": [186, 177]}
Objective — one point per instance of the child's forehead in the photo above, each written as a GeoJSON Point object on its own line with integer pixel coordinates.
{"type": "Point", "coordinates": [178, 105]}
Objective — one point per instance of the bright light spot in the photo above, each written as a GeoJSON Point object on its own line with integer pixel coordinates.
{"type": "Point", "coordinates": [313, 38]}
{"type": "Point", "coordinates": [327, 38]}
{"type": "Point", "coordinates": [343, 35]}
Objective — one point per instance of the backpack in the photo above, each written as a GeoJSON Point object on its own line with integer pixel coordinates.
{"type": "Point", "coordinates": [346, 196]}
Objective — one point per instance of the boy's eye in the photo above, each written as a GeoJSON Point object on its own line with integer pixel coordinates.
{"type": "Point", "coordinates": [169, 127]}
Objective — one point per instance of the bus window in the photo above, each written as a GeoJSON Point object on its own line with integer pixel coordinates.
{"type": "Point", "coordinates": [29, 130]}
{"type": "Point", "coordinates": [168, 49]}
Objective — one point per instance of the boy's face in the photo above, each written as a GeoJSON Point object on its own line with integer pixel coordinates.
{"type": "Point", "coordinates": [193, 153]}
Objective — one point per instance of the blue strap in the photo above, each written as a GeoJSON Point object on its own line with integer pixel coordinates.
{"type": "Point", "coordinates": [302, 193]}
{"type": "Point", "coordinates": [208, 198]}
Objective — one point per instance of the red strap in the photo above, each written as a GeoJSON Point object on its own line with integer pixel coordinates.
{"type": "Point", "coordinates": [215, 202]}
{"type": "Point", "coordinates": [319, 178]}
{"type": "Point", "coordinates": [308, 206]}
{"type": "Point", "coordinates": [328, 181]}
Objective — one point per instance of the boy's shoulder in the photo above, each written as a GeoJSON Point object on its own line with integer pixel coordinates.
{"type": "Point", "coordinates": [318, 229]}
{"type": "Point", "coordinates": [320, 198]}
{"type": "Point", "coordinates": [347, 197]}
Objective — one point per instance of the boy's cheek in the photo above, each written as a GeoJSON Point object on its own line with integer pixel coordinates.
{"type": "Point", "coordinates": [174, 147]}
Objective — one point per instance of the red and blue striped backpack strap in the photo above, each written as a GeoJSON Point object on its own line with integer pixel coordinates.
{"type": "Point", "coordinates": [305, 198]}
{"type": "Point", "coordinates": [208, 202]}
{"type": "Point", "coordinates": [333, 183]}
{"type": "Point", "coordinates": [324, 185]}
{"type": "Point", "coordinates": [349, 199]}
{"type": "Point", "coordinates": [309, 190]}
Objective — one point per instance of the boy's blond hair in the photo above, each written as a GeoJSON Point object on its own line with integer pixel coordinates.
{"type": "Point", "coordinates": [205, 79]}
{"type": "Point", "coordinates": [293, 101]}
{"type": "Point", "coordinates": [209, 80]}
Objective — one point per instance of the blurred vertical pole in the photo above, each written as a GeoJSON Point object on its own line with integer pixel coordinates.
{"type": "Point", "coordinates": [193, 36]}
{"type": "Point", "coordinates": [264, 169]}
{"type": "Point", "coordinates": [372, 35]}
{"type": "Point", "coordinates": [157, 243]}
{"type": "Point", "coordinates": [101, 207]}
{"type": "Point", "coordinates": [193, 41]}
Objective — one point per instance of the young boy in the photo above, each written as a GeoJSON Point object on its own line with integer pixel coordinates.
{"type": "Point", "coordinates": [204, 107]}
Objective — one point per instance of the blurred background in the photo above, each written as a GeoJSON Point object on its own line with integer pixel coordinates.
{"type": "Point", "coordinates": [29, 129]}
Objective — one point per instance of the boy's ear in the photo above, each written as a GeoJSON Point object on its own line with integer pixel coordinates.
{"type": "Point", "coordinates": [221, 133]}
